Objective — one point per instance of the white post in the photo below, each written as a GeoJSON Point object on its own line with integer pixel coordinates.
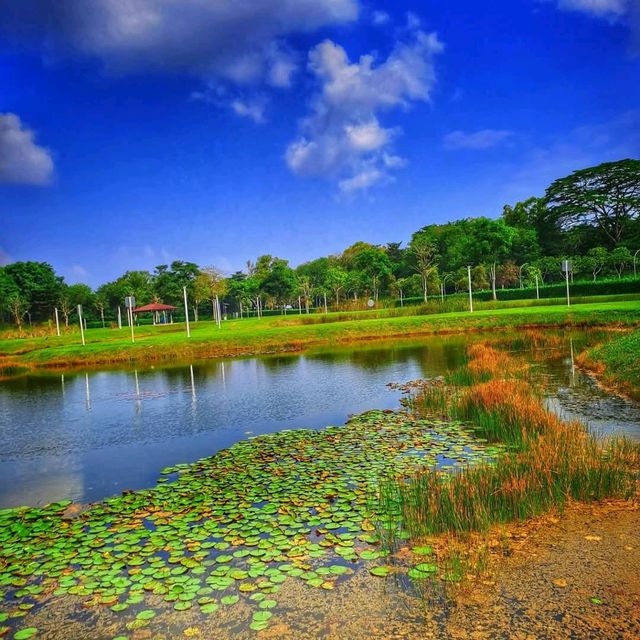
{"type": "Point", "coordinates": [57, 322]}
{"type": "Point", "coordinates": [130, 319]}
{"type": "Point", "coordinates": [566, 265]}
{"type": "Point", "coordinates": [635, 256]}
{"type": "Point", "coordinates": [325, 304]}
{"type": "Point", "coordinates": [186, 311]}
{"type": "Point", "coordinates": [119, 318]}
{"type": "Point", "coordinates": [299, 305]}
{"type": "Point", "coordinates": [470, 294]}
{"type": "Point", "coordinates": [537, 289]}
{"type": "Point", "coordinates": [218, 312]}
{"type": "Point", "coordinates": [401, 299]}
{"type": "Point", "coordinates": [442, 291]}
{"type": "Point", "coordinates": [81, 323]}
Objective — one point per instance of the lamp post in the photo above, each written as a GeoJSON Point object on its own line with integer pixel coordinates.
{"type": "Point", "coordinates": [635, 255]}
{"type": "Point", "coordinates": [470, 294]}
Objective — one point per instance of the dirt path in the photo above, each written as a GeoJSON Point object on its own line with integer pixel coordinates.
{"type": "Point", "coordinates": [576, 577]}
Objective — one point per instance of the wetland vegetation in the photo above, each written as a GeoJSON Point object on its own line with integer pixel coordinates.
{"type": "Point", "coordinates": [406, 497]}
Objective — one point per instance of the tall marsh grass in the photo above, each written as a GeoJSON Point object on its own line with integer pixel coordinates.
{"type": "Point", "coordinates": [549, 461]}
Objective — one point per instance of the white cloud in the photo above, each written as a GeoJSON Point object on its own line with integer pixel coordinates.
{"type": "Point", "coordinates": [241, 44]}
{"type": "Point", "coordinates": [231, 40]}
{"type": "Point", "coordinates": [599, 8]}
{"type": "Point", "coordinates": [380, 17]}
{"type": "Point", "coordinates": [342, 136]}
{"type": "Point", "coordinates": [22, 161]}
{"type": "Point", "coordinates": [484, 139]}
{"type": "Point", "coordinates": [253, 110]}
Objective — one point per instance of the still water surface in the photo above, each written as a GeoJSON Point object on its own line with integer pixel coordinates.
{"type": "Point", "coordinates": [88, 436]}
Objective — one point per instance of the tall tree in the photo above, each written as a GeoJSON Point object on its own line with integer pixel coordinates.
{"type": "Point", "coordinates": [424, 249]}
{"type": "Point", "coordinates": [38, 284]}
{"type": "Point", "coordinates": [336, 281]}
{"type": "Point", "coordinates": [280, 282]}
{"type": "Point", "coordinates": [375, 263]}
{"type": "Point", "coordinates": [210, 284]}
{"type": "Point", "coordinates": [490, 243]}
{"type": "Point", "coordinates": [607, 196]}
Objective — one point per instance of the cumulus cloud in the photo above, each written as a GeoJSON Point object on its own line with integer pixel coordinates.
{"type": "Point", "coordinates": [240, 43]}
{"type": "Point", "coordinates": [342, 137]}
{"type": "Point", "coordinates": [478, 140]}
{"type": "Point", "coordinates": [22, 161]}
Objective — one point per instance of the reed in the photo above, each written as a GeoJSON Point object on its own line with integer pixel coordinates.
{"type": "Point", "coordinates": [548, 462]}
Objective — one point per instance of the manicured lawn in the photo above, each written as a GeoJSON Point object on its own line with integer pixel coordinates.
{"type": "Point", "coordinates": [293, 332]}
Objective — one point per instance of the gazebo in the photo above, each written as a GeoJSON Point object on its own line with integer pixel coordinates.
{"type": "Point", "coordinates": [156, 308]}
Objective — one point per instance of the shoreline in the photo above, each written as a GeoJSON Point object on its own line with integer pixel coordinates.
{"type": "Point", "coordinates": [270, 338]}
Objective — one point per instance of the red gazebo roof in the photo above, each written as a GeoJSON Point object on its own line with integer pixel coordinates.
{"type": "Point", "coordinates": [154, 306]}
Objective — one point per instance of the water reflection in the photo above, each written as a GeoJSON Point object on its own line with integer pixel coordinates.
{"type": "Point", "coordinates": [86, 436]}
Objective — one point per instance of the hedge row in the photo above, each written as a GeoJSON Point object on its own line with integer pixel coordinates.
{"type": "Point", "coordinates": [584, 288]}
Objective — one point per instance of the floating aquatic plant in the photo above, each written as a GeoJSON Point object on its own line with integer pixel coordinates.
{"type": "Point", "coordinates": [289, 505]}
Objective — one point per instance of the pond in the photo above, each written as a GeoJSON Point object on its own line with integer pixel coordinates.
{"type": "Point", "coordinates": [85, 436]}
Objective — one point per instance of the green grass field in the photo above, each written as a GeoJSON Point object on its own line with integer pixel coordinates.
{"type": "Point", "coordinates": [294, 332]}
{"type": "Point", "coordinates": [617, 362]}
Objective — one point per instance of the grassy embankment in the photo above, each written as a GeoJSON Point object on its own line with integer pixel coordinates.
{"type": "Point", "coordinates": [293, 332]}
{"type": "Point", "coordinates": [549, 463]}
{"type": "Point", "coordinates": [616, 363]}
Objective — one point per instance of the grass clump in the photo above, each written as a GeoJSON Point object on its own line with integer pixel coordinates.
{"type": "Point", "coordinates": [617, 362]}
{"type": "Point", "coordinates": [549, 461]}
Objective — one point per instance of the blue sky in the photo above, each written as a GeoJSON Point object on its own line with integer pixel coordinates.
{"type": "Point", "coordinates": [145, 131]}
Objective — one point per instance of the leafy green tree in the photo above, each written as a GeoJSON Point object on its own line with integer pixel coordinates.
{"type": "Point", "coordinates": [8, 290]}
{"type": "Point", "coordinates": [38, 286]}
{"type": "Point", "coordinates": [336, 280]}
{"type": "Point", "coordinates": [209, 284]}
{"type": "Point", "coordinates": [349, 255]}
{"type": "Point", "coordinates": [607, 196]}
{"type": "Point", "coordinates": [534, 215]}
{"type": "Point", "coordinates": [490, 243]}
{"type": "Point", "coordinates": [398, 259]}
{"type": "Point", "coordinates": [619, 259]}
{"type": "Point", "coordinates": [356, 283]}
{"type": "Point", "coordinates": [280, 282]}
{"type": "Point", "coordinates": [374, 262]}
{"type": "Point", "coordinates": [596, 260]}
{"type": "Point", "coordinates": [168, 282]}
{"type": "Point", "coordinates": [305, 290]}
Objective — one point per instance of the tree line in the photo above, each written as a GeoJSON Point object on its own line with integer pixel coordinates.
{"type": "Point", "coordinates": [591, 217]}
